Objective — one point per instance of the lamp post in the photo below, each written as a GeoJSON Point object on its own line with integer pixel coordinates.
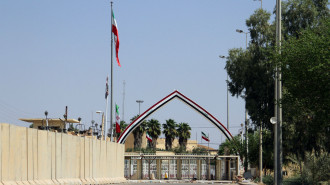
{"type": "Point", "coordinates": [246, 113]}
{"type": "Point", "coordinates": [103, 132]}
{"type": "Point", "coordinates": [46, 114]}
{"type": "Point", "coordinates": [260, 1]}
{"type": "Point", "coordinates": [221, 56]}
{"type": "Point", "coordinates": [246, 33]}
{"type": "Point", "coordinates": [139, 102]}
{"type": "Point", "coordinates": [278, 108]}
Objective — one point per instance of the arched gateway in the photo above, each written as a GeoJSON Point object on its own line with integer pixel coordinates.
{"type": "Point", "coordinates": [168, 98]}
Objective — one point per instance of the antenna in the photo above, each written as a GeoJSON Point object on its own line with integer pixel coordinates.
{"type": "Point", "coordinates": [123, 115]}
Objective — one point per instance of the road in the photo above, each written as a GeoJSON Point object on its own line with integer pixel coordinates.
{"type": "Point", "coordinates": [157, 182]}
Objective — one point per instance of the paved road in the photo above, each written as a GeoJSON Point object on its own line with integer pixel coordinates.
{"type": "Point", "coordinates": [132, 183]}
{"type": "Point", "coordinates": [157, 182]}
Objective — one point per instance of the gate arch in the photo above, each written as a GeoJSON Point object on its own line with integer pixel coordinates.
{"type": "Point", "coordinates": [175, 94]}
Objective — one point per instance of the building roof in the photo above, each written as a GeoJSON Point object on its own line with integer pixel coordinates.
{"type": "Point", "coordinates": [50, 120]}
{"type": "Point", "coordinates": [207, 148]}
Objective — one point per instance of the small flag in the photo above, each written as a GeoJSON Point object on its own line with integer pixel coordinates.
{"type": "Point", "coordinates": [149, 138]}
{"type": "Point", "coordinates": [117, 120]}
{"type": "Point", "coordinates": [115, 33]}
{"type": "Point", "coordinates": [205, 137]}
{"type": "Point", "coordinates": [106, 88]}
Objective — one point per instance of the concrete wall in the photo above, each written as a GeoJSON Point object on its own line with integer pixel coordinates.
{"type": "Point", "coordinates": [31, 156]}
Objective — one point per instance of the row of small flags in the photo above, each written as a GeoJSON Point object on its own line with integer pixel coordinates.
{"type": "Point", "coordinates": [204, 136]}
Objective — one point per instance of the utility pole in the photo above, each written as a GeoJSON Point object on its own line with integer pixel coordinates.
{"type": "Point", "coordinates": [221, 56]}
{"type": "Point", "coordinates": [260, 152]}
{"type": "Point", "coordinates": [278, 109]}
{"type": "Point", "coordinates": [247, 140]}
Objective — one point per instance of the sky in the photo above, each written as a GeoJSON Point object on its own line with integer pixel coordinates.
{"type": "Point", "coordinates": [57, 53]}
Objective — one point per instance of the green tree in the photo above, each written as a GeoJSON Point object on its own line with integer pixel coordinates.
{"type": "Point", "coordinates": [183, 134]}
{"type": "Point", "coordinates": [138, 133]}
{"type": "Point", "coordinates": [170, 133]}
{"type": "Point", "coordinates": [251, 72]}
{"type": "Point", "coordinates": [305, 66]}
{"type": "Point", "coordinates": [232, 147]}
{"type": "Point", "coordinates": [154, 130]}
{"type": "Point", "coordinates": [299, 15]}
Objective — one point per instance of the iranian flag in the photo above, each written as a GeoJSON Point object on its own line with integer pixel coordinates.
{"type": "Point", "coordinates": [117, 120]}
{"type": "Point", "coordinates": [148, 137]}
{"type": "Point", "coordinates": [115, 33]}
{"type": "Point", "coordinates": [205, 137]}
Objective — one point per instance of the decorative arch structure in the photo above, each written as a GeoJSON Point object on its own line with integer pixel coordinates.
{"type": "Point", "coordinates": [176, 94]}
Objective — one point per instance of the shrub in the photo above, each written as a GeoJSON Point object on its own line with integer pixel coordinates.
{"type": "Point", "coordinates": [268, 180]}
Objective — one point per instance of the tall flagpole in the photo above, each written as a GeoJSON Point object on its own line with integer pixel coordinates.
{"type": "Point", "coordinates": [111, 89]}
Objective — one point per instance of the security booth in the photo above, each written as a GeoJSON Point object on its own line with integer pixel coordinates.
{"type": "Point", "coordinates": [180, 166]}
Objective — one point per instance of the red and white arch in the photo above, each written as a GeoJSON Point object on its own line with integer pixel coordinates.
{"type": "Point", "coordinates": [176, 94]}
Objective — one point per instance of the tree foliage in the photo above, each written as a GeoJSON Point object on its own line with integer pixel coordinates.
{"type": "Point", "coordinates": [154, 130]}
{"type": "Point", "coordinates": [183, 134]}
{"type": "Point", "coordinates": [305, 66]}
{"type": "Point", "coordinates": [299, 15]}
{"type": "Point", "coordinates": [169, 129]}
{"type": "Point", "coordinates": [138, 133]}
{"type": "Point", "coordinates": [304, 61]}
{"type": "Point", "coordinates": [199, 150]}
{"type": "Point", "coordinates": [250, 70]}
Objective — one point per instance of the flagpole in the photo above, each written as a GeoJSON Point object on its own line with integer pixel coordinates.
{"type": "Point", "coordinates": [106, 116]}
{"type": "Point", "coordinates": [208, 148]}
{"type": "Point", "coordinates": [111, 86]}
{"type": "Point", "coordinates": [208, 143]}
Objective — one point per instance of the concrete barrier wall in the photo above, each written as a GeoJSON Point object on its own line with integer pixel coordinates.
{"type": "Point", "coordinates": [30, 156]}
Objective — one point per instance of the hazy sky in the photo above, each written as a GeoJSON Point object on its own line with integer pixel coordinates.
{"type": "Point", "coordinates": [57, 53]}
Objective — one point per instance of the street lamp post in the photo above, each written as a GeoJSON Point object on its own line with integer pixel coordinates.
{"type": "Point", "coordinates": [246, 113]}
{"type": "Point", "coordinates": [260, 1]}
{"type": "Point", "coordinates": [103, 131]}
{"type": "Point", "coordinates": [246, 33]}
{"type": "Point", "coordinates": [221, 56]}
{"type": "Point", "coordinates": [278, 109]}
{"type": "Point", "coordinates": [139, 102]}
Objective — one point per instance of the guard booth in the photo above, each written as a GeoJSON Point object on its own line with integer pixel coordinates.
{"type": "Point", "coordinates": [180, 166]}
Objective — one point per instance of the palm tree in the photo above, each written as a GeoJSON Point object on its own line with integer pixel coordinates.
{"type": "Point", "coordinates": [153, 129]}
{"type": "Point", "coordinates": [184, 134]}
{"type": "Point", "coordinates": [170, 133]}
{"type": "Point", "coordinates": [138, 132]}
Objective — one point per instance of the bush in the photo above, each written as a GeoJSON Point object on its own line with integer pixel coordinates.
{"type": "Point", "coordinates": [295, 180]}
{"type": "Point", "coordinates": [316, 167]}
{"type": "Point", "coordinates": [268, 180]}
{"type": "Point", "coordinates": [199, 150]}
